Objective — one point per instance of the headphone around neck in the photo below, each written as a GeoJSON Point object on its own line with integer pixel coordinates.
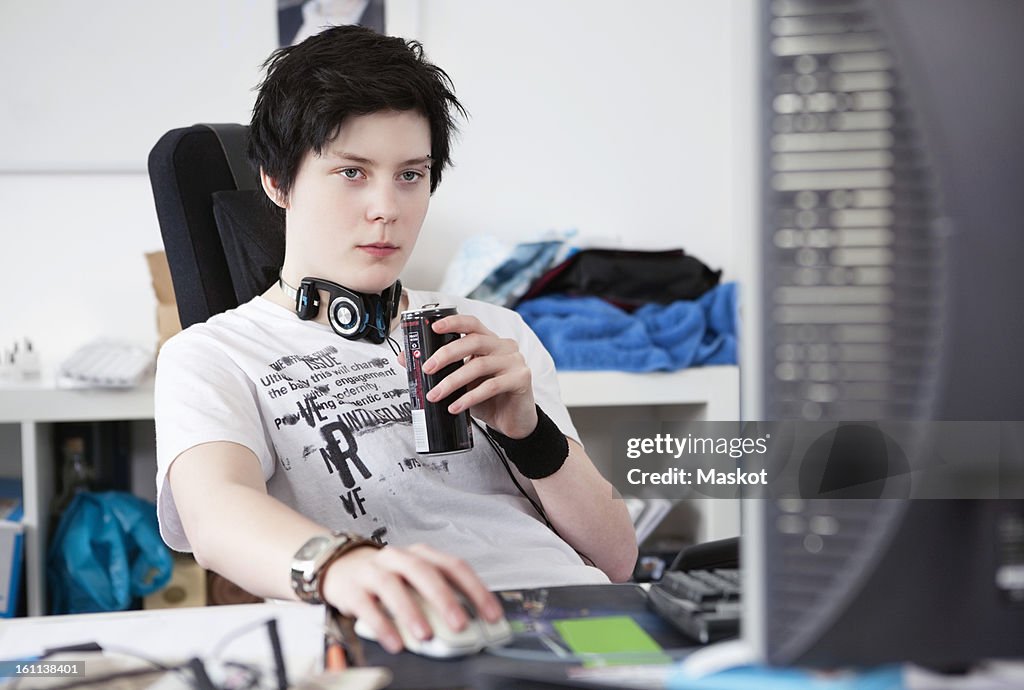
{"type": "Point", "coordinates": [352, 315]}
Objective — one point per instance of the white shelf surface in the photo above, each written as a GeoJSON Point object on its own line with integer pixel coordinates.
{"type": "Point", "coordinates": [696, 386]}
{"type": "Point", "coordinates": [42, 401]}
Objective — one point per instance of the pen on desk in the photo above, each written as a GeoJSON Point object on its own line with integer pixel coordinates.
{"type": "Point", "coordinates": [334, 656]}
{"type": "Point", "coordinates": [335, 651]}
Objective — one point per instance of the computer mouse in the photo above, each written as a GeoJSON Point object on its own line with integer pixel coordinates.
{"type": "Point", "coordinates": [447, 643]}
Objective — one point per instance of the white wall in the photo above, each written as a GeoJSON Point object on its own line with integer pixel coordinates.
{"type": "Point", "coordinates": [72, 265]}
{"type": "Point", "coordinates": [88, 88]}
{"type": "Point", "coordinates": [91, 85]}
{"type": "Point", "coordinates": [630, 126]}
{"type": "Point", "coordinates": [613, 118]}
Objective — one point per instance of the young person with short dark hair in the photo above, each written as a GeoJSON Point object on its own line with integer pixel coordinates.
{"type": "Point", "coordinates": [286, 459]}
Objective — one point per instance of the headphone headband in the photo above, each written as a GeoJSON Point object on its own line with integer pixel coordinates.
{"type": "Point", "coordinates": [352, 315]}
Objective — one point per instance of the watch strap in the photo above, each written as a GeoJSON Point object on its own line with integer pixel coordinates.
{"type": "Point", "coordinates": [308, 584]}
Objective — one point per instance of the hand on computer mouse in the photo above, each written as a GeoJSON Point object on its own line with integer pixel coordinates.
{"type": "Point", "coordinates": [380, 587]}
{"type": "Point", "coordinates": [446, 642]}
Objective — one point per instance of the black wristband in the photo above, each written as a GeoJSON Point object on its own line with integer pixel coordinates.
{"type": "Point", "coordinates": [538, 455]}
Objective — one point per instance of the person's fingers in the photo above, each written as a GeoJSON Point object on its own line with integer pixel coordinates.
{"type": "Point", "coordinates": [401, 359]}
{"type": "Point", "coordinates": [465, 579]}
{"type": "Point", "coordinates": [368, 583]}
{"type": "Point", "coordinates": [482, 370]}
{"type": "Point", "coordinates": [460, 323]}
{"type": "Point", "coordinates": [398, 599]}
{"type": "Point", "coordinates": [511, 383]}
{"type": "Point", "coordinates": [365, 607]}
{"type": "Point", "coordinates": [381, 589]}
{"type": "Point", "coordinates": [472, 345]}
{"type": "Point", "coordinates": [427, 579]}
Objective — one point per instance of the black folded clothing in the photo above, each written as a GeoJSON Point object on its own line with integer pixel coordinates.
{"type": "Point", "coordinates": [628, 279]}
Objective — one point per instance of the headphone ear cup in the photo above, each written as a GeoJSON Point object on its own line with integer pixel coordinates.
{"type": "Point", "coordinates": [306, 305]}
{"type": "Point", "coordinates": [346, 317]}
{"type": "Point", "coordinates": [395, 301]}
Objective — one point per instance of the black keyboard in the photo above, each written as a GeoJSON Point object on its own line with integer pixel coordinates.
{"type": "Point", "coordinates": [703, 604]}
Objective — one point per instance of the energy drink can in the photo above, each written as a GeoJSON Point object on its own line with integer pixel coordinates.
{"type": "Point", "coordinates": [436, 430]}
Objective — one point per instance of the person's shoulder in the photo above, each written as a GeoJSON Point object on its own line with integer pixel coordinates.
{"type": "Point", "coordinates": [490, 314]}
{"type": "Point", "coordinates": [219, 331]}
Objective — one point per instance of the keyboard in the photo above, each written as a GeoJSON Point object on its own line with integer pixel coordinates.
{"type": "Point", "coordinates": [704, 605]}
{"type": "Point", "coordinates": [105, 364]}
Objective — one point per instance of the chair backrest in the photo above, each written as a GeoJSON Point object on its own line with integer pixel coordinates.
{"type": "Point", "coordinates": [223, 244]}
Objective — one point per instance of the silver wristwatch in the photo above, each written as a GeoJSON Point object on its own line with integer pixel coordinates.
{"type": "Point", "coordinates": [313, 557]}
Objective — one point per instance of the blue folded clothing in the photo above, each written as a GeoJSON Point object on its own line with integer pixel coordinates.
{"type": "Point", "coordinates": [587, 333]}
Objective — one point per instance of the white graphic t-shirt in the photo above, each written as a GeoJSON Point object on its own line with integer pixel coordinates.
{"type": "Point", "coordinates": [329, 420]}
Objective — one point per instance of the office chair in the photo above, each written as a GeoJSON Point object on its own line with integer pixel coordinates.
{"type": "Point", "coordinates": [224, 242]}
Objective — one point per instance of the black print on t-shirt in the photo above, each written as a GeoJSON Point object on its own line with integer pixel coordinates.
{"type": "Point", "coordinates": [343, 401]}
{"type": "Point", "coordinates": [353, 502]}
{"type": "Point", "coordinates": [319, 360]}
{"type": "Point", "coordinates": [337, 456]}
{"type": "Point", "coordinates": [378, 536]}
{"type": "Point", "coordinates": [409, 464]}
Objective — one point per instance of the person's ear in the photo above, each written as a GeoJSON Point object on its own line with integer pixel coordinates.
{"type": "Point", "coordinates": [272, 189]}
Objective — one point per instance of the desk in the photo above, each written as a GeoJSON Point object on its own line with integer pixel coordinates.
{"type": "Point", "coordinates": [528, 662]}
{"type": "Point", "coordinates": [172, 635]}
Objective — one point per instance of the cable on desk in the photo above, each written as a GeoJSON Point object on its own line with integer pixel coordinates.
{"type": "Point", "coordinates": [275, 643]}
{"type": "Point", "coordinates": [233, 635]}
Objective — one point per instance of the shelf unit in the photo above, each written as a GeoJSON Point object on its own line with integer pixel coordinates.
{"type": "Point", "coordinates": [710, 393]}
{"type": "Point", "coordinates": [715, 389]}
{"type": "Point", "coordinates": [35, 408]}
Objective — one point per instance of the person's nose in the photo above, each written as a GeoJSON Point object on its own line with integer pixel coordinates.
{"type": "Point", "coordinates": [382, 206]}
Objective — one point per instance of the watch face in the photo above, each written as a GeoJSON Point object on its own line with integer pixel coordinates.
{"type": "Point", "coordinates": [311, 549]}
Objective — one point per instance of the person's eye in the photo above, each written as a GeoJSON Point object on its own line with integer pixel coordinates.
{"type": "Point", "coordinates": [351, 173]}
{"type": "Point", "coordinates": [411, 175]}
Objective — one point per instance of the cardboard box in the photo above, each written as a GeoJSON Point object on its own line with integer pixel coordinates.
{"type": "Point", "coordinates": [187, 586]}
{"type": "Point", "coordinates": [167, 320]}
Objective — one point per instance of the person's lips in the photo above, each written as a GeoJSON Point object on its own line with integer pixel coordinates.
{"type": "Point", "coordinates": [379, 249]}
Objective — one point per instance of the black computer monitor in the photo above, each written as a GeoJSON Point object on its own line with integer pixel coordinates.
{"type": "Point", "coordinates": [892, 253]}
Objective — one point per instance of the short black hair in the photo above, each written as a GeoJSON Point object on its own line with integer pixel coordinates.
{"type": "Point", "coordinates": [312, 87]}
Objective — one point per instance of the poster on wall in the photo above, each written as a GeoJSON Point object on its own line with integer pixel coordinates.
{"type": "Point", "coordinates": [297, 20]}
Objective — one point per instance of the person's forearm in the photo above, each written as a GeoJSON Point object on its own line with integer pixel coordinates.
{"type": "Point", "coordinates": [580, 504]}
{"type": "Point", "coordinates": [250, 538]}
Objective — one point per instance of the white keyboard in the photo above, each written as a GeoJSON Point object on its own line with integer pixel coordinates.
{"type": "Point", "coordinates": [105, 364]}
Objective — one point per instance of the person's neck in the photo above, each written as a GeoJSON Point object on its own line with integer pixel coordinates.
{"type": "Point", "coordinates": [276, 295]}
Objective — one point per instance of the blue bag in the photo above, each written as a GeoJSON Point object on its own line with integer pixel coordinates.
{"type": "Point", "coordinates": [106, 551]}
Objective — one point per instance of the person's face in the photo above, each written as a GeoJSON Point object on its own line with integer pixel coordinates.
{"type": "Point", "coordinates": [355, 212]}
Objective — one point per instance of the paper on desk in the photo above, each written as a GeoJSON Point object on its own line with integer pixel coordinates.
{"type": "Point", "coordinates": [172, 635]}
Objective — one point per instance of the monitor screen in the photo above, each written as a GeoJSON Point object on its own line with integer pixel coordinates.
{"type": "Point", "coordinates": [893, 199]}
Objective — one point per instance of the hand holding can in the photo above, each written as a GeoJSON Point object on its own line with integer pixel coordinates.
{"type": "Point", "coordinates": [437, 431]}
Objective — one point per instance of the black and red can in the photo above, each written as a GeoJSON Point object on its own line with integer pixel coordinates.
{"type": "Point", "coordinates": [436, 430]}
